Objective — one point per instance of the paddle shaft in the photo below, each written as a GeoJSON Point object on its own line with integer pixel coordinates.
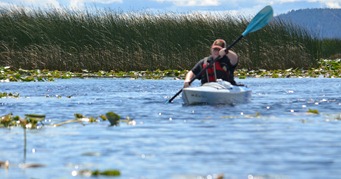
{"type": "Point", "coordinates": [208, 66]}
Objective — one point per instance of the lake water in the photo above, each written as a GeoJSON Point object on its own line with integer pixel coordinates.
{"type": "Point", "coordinates": [272, 136]}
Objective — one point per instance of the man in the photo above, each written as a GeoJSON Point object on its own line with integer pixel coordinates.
{"type": "Point", "coordinates": [223, 68]}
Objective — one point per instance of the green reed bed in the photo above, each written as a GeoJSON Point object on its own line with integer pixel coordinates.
{"type": "Point", "coordinates": [112, 41]}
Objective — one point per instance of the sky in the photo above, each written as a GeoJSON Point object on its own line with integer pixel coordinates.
{"type": "Point", "coordinates": [234, 7]}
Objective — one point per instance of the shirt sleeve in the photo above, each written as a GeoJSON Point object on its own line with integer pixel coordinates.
{"type": "Point", "coordinates": [197, 68]}
{"type": "Point", "coordinates": [225, 61]}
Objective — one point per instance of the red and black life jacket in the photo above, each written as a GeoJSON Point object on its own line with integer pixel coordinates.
{"type": "Point", "coordinates": [215, 72]}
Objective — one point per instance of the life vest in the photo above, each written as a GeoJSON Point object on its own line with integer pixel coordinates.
{"type": "Point", "coordinates": [213, 72]}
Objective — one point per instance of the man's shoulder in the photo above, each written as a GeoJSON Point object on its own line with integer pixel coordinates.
{"type": "Point", "coordinates": [206, 59]}
{"type": "Point", "coordinates": [199, 64]}
{"type": "Point", "coordinates": [203, 60]}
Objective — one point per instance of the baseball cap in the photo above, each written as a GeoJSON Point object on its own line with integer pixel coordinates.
{"type": "Point", "coordinates": [219, 43]}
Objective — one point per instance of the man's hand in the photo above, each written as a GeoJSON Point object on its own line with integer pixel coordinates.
{"type": "Point", "coordinates": [223, 52]}
{"type": "Point", "coordinates": [186, 84]}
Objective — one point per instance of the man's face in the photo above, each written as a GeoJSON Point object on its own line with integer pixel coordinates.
{"type": "Point", "coordinates": [215, 52]}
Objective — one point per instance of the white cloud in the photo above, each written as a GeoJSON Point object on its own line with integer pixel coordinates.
{"type": "Point", "coordinates": [327, 3]}
{"type": "Point", "coordinates": [72, 4]}
{"type": "Point", "coordinates": [192, 2]}
{"type": "Point", "coordinates": [5, 5]}
{"type": "Point", "coordinates": [333, 4]}
{"type": "Point", "coordinates": [81, 4]}
{"type": "Point", "coordinates": [31, 3]}
{"type": "Point", "coordinates": [106, 1]}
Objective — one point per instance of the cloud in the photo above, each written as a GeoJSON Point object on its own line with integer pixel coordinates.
{"type": "Point", "coordinates": [326, 3]}
{"type": "Point", "coordinates": [246, 3]}
{"type": "Point", "coordinates": [81, 4]}
{"type": "Point", "coordinates": [72, 4]}
{"type": "Point", "coordinates": [333, 4]}
{"type": "Point", "coordinates": [30, 3]}
{"type": "Point", "coordinates": [192, 2]}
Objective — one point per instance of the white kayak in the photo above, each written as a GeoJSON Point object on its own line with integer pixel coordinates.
{"type": "Point", "coordinates": [214, 93]}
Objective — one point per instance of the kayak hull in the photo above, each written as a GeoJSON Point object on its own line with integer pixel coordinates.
{"type": "Point", "coordinates": [214, 93]}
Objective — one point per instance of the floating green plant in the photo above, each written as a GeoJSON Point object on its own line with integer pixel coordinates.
{"type": "Point", "coordinates": [89, 173]}
{"type": "Point", "coordinates": [32, 121]}
{"type": "Point", "coordinates": [9, 95]}
{"type": "Point", "coordinates": [81, 117]}
{"type": "Point", "coordinates": [7, 120]}
{"type": "Point", "coordinates": [106, 173]}
{"type": "Point", "coordinates": [113, 118]}
{"type": "Point", "coordinates": [313, 111]}
{"type": "Point", "coordinates": [78, 116]}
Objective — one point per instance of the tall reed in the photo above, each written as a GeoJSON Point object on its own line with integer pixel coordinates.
{"type": "Point", "coordinates": [110, 40]}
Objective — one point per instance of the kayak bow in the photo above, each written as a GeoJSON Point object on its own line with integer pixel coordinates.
{"type": "Point", "coordinates": [215, 93]}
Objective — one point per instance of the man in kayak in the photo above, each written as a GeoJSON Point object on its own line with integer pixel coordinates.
{"type": "Point", "coordinates": [223, 68]}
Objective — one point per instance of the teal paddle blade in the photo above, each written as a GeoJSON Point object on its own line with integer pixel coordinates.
{"type": "Point", "coordinates": [260, 20]}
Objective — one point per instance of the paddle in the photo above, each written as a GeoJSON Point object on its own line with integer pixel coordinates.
{"type": "Point", "coordinates": [262, 18]}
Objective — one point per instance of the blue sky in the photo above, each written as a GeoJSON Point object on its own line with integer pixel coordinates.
{"type": "Point", "coordinates": [238, 7]}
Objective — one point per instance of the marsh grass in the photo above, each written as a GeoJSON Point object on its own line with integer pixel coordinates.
{"type": "Point", "coordinates": [110, 40]}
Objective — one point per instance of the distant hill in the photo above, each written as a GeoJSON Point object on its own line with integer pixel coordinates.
{"type": "Point", "coordinates": [321, 23]}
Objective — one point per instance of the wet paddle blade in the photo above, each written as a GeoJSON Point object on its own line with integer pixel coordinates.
{"type": "Point", "coordinates": [260, 20]}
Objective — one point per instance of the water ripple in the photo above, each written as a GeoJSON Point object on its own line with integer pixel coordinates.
{"type": "Point", "coordinates": [273, 135]}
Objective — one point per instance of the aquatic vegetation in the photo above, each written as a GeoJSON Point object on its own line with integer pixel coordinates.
{"type": "Point", "coordinates": [7, 120]}
{"type": "Point", "coordinates": [326, 68]}
{"type": "Point", "coordinates": [80, 117]}
{"type": "Point", "coordinates": [9, 95]}
{"type": "Point", "coordinates": [106, 173]}
{"type": "Point", "coordinates": [9, 75]}
{"type": "Point", "coordinates": [113, 118]}
{"type": "Point", "coordinates": [116, 119]}
{"type": "Point", "coordinates": [89, 173]}
{"type": "Point", "coordinates": [30, 121]}
{"type": "Point", "coordinates": [313, 111]}
{"type": "Point", "coordinates": [33, 121]}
